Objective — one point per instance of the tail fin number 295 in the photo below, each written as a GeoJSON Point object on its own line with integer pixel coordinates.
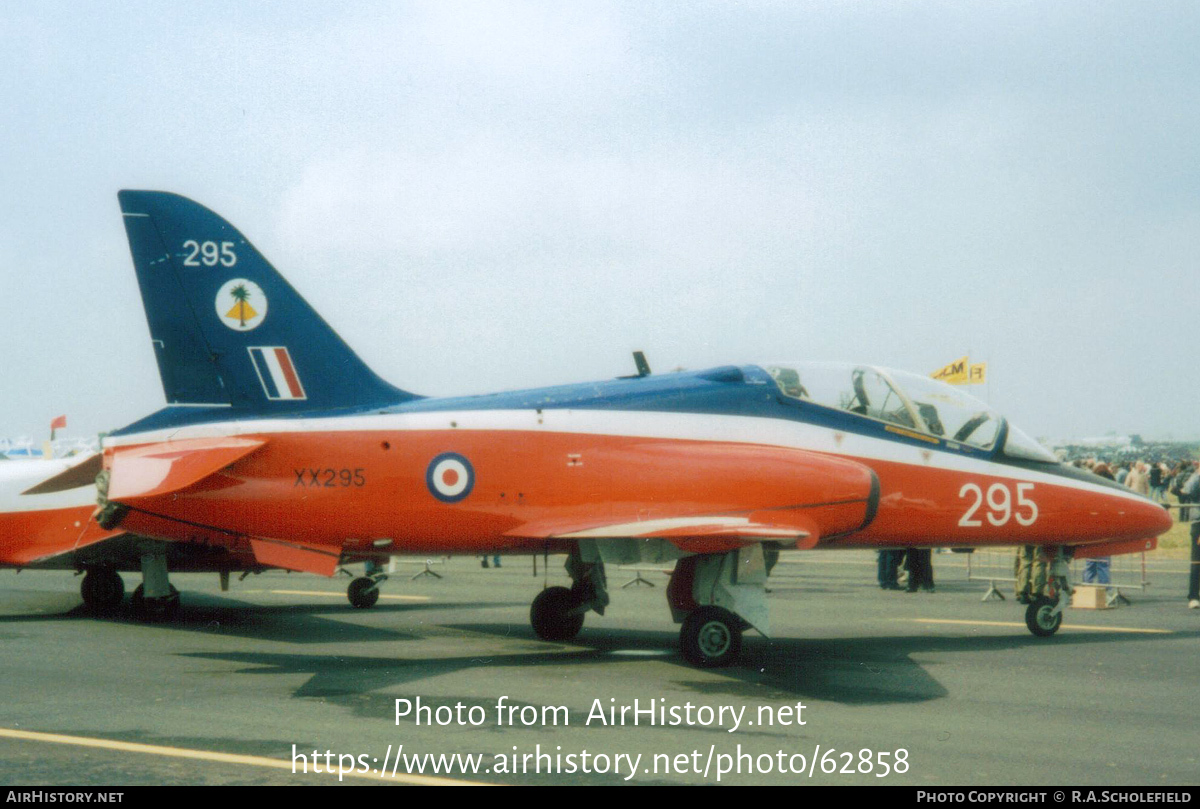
{"type": "Point", "coordinates": [999, 505]}
{"type": "Point", "coordinates": [209, 254]}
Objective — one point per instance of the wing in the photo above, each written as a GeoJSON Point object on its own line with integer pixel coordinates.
{"type": "Point", "coordinates": [801, 527]}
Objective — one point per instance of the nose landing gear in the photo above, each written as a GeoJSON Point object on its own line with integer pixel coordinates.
{"type": "Point", "coordinates": [1042, 618]}
{"type": "Point", "coordinates": [1044, 614]}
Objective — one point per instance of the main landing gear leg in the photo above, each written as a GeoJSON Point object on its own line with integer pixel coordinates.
{"type": "Point", "coordinates": [717, 597]}
{"type": "Point", "coordinates": [1044, 614]}
{"type": "Point", "coordinates": [102, 589]}
{"type": "Point", "coordinates": [557, 612]}
{"type": "Point", "coordinates": [155, 598]}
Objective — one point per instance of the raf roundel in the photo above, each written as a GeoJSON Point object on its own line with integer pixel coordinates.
{"type": "Point", "coordinates": [241, 304]}
{"type": "Point", "coordinates": [450, 477]}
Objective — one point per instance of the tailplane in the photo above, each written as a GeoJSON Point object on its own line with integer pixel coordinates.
{"type": "Point", "coordinates": [228, 330]}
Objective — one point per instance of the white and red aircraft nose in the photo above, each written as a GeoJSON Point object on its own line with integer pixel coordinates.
{"type": "Point", "coordinates": [1117, 516]}
{"type": "Point", "coordinates": [1157, 519]}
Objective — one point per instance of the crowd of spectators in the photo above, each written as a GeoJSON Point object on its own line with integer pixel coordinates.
{"type": "Point", "coordinates": [1159, 479]}
{"type": "Point", "coordinates": [1154, 477]}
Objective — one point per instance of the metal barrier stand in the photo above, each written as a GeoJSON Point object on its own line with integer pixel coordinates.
{"type": "Point", "coordinates": [993, 592]}
{"type": "Point", "coordinates": [992, 566]}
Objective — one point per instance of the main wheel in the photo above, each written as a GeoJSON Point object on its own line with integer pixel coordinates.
{"type": "Point", "coordinates": [363, 592]}
{"type": "Point", "coordinates": [102, 589]}
{"type": "Point", "coordinates": [711, 637]}
{"type": "Point", "coordinates": [1039, 619]}
{"type": "Point", "coordinates": [551, 615]}
{"type": "Point", "coordinates": [154, 608]}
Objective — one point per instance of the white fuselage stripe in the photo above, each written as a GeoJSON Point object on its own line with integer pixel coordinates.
{"type": "Point", "coordinates": [639, 424]}
{"type": "Point", "coordinates": [638, 529]}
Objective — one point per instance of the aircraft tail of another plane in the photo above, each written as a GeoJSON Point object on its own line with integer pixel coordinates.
{"type": "Point", "coordinates": [228, 330]}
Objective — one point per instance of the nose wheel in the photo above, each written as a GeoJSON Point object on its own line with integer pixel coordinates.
{"type": "Point", "coordinates": [711, 637]}
{"type": "Point", "coordinates": [1042, 618]}
{"type": "Point", "coordinates": [1044, 614]}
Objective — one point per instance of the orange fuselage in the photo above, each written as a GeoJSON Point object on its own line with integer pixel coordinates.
{"type": "Point", "coordinates": [352, 489]}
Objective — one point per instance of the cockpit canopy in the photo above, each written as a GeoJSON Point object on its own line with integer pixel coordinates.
{"type": "Point", "coordinates": [906, 400]}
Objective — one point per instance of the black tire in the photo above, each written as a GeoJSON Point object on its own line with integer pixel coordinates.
{"type": "Point", "coordinates": [363, 593]}
{"type": "Point", "coordinates": [550, 614]}
{"type": "Point", "coordinates": [711, 637]}
{"type": "Point", "coordinates": [102, 589]}
{"type": "Point", "coordinates": [154, 609]}
{"type": "Point", "coordinates": [1037, 617]}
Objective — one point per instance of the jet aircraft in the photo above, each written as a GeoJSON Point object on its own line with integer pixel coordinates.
{"type": "Point", "coordinates": [277, 437]}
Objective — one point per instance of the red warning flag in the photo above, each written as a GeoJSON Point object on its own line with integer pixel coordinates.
{"type": "Point", "coordinates": [58, 423]}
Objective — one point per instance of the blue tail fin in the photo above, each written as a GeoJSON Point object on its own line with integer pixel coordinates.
{"type": "Point", "coordinates": [228, 330]}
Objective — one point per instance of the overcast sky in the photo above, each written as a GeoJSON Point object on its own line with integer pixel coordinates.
{"type": "Point", "coordinates": [505, 195]}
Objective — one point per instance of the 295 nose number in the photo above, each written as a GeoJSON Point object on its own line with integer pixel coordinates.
{"type": "Point", "coordinates": [1000, 507]}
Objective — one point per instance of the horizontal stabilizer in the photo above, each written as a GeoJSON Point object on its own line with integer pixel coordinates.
{"type": "Point", "coordinates": [81, 474]}
{"type": "Point", "coordinates": [294, 557]}
{"type": "Point", "coordinates": [158, 469]}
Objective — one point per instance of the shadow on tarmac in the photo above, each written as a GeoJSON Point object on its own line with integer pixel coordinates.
{"type": "Point", "coordinates": [871, 670]}
{"type": "Point", "coordinates": [876, 670]}
{"type": "Point", "coordinates": [290, 623]}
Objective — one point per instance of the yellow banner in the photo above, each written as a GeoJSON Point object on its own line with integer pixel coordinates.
{"type": "Point", "coordinates": [955, 373]}
{"type": "Point", "coordinates": [978, 373]}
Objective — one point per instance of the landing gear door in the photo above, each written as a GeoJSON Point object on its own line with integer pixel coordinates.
{"type": "Point", "coordinates": [751, 567]}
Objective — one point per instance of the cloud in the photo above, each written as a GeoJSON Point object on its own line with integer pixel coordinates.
{"type": "Point", "coordinates": [498, 194]}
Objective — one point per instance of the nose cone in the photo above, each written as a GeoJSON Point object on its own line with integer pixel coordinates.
{"type": "Point", "coordinates": [1142, 518]}
{"type": "Point", "coordinates": [1158, 519]}
{"type": "Point", "coordinates": [1115, 515]}
{"type": "Point", "coordinates": [1147, 517]}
